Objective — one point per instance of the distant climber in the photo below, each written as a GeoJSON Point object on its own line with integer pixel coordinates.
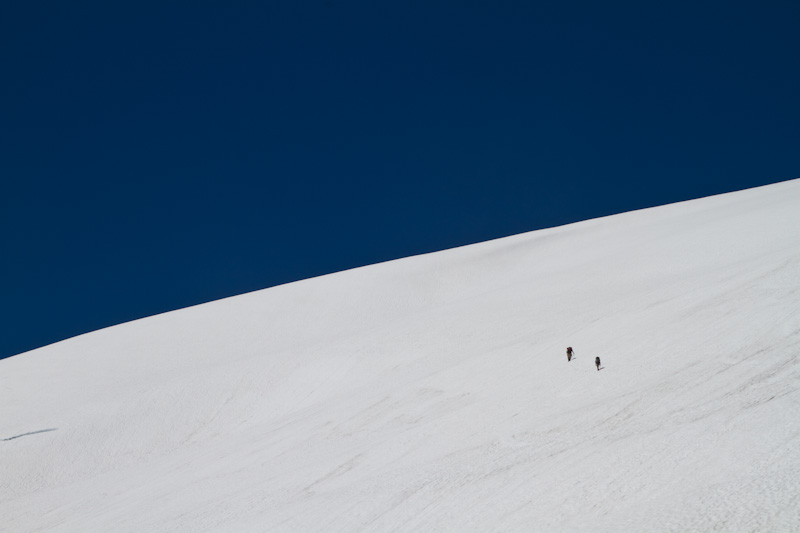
{"type": "Point", "coordinates": [569, 353]}
{"type": "Point", "coordinates": [597, 363]}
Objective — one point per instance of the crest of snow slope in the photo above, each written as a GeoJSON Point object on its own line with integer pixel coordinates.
{"type": "Point", "coordinates": [433, 393]}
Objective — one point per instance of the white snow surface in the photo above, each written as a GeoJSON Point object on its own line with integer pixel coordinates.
{"type": "Point", "coordinates": [433, 393]}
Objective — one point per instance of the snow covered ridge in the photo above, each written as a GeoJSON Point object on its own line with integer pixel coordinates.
{"type": "Point", "coordinates": [434, 393]}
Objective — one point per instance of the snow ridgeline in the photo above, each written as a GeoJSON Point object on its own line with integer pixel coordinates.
{"type": "Point", "coordinates": [433, 393]}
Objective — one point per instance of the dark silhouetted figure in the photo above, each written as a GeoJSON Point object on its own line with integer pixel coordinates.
{"type": "Point", "coordinates": [569, 353]}
{"type": "Point", "coordinates": [597, 363]}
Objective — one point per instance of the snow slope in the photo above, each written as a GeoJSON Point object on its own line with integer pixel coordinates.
{"type": "Point", "coordinates": [433, 393]}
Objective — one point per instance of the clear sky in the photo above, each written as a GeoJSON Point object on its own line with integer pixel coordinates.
{"type": "Point", "coordinates": [156, 155]}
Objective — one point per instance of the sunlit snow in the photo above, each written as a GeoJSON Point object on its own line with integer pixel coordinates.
{"type": "Point", "coordinates": [434, 394]}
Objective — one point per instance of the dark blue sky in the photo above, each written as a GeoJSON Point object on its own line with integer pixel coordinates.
{"type": "Point", "coordinates": [159, 155]}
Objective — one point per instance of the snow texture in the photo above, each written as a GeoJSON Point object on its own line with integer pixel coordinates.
{"type": "Point", "coordinates": [433, 393]}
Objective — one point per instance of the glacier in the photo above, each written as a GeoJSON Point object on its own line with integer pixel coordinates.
{"type": "Point", "coordinates": [433, 393]}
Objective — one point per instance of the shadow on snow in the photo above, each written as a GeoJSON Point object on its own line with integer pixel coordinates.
{"type": "Point", "coordinates": [29, 433]}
